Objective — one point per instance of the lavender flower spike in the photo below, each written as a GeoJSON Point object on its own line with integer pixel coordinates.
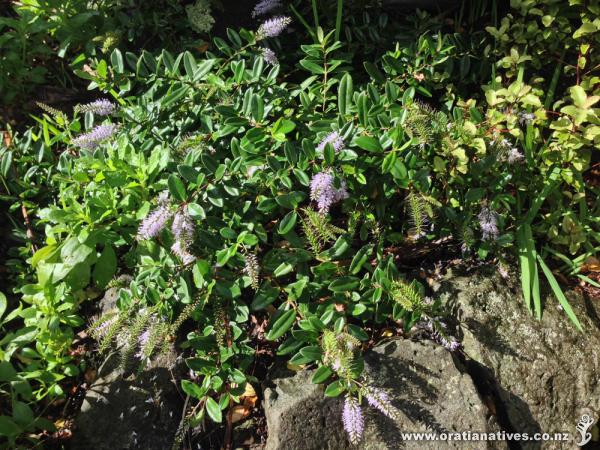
{"type": "Point", "coordinates": [488, 222]}
{"type": "Point", "coordinates": [142, 342]}
{"type": "Point", "coordinates": [180, 250]}
{"type": "Point", "coordinates": [334, 139]}
{"type": "Point", "coordinates": [273, 27]}
{"type": "Point", "coordinates": [264, 6]}
{"type": "Point", "coordinates": [380, 400]}
{"type": "Point", "coordinates": [92, 139]}
{"type": "Point", "coordinates": [353, 420]}
{"type": "Point", "coordinates": [514, 155]}
{"type": "Point", "coordinates": [183, 227]}
{"type": "Point", "coordinates": [154, 222]}
{"type": "Point", "coordinates": [270, 57]}
{"type": "Point", "coordinates": [323, 191]}
{"type": "Point", "coordinates": [101, 107]}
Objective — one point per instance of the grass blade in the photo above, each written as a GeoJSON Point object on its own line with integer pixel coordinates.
{"type": "Point", "coordinates": [303, 22]}
{"type": "Point", "coordinates": [315, 13]}
{"type": "Point", "coordinates": [588, 280]}
{"type": "Point", "coordinates": [560, 296]}
{"type": "Point", "coordinates": [533, 270]}
{"type": "Point", "coordinates": [338, 20]}
{"type": "Point", "coordinates": [525, 265]}
{"type": "Point", "coordinates": [537, 203]}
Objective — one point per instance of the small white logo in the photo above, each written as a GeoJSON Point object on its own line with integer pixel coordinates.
{"type": "Point", "coordinates": [584, 424]}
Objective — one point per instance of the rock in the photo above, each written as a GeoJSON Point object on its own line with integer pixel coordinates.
{"type": "Point", "coordinates": [545, 374]}
{"type": "Point", "coordinates": [127, 412]}
{"type": "Point", "coordinates": [427, 386]}
{"type": "Point", "coordinates": [108, 303]}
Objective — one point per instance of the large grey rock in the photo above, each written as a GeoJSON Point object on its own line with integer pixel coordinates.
{"type": "Point", "coordinates": [130, 412]}
{"type": "Point", "coordinates": [428, 388]}
{"type": "Point", "coordinates": [545, 374]}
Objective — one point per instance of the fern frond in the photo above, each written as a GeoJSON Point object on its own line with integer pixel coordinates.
{"type": "Point", "coordinates": [418, 216]}
{"type": "Point", "coordinates": [318, 229]}
{"type": "Point", "coordinates": [407, 295]}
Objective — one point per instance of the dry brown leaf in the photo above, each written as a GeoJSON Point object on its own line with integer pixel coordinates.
{"type": "Point", "coordinates": [90, 375]}
{"type": "Point", "coordinates": [7, 138]}
{"type": "Point", "coordinates": [591, 264]}
{"type": "Point", "coordinates": [239, 412]}
{"type": "Point", "coordinates": [248, 391]}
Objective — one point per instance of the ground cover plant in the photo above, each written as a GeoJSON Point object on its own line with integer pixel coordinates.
{"type": "Point", "coordinates": [282, 178]}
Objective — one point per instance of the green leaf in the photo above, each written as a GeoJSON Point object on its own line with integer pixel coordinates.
{"type": "Point", "coordinates": [311, 353]}
{"type": "Point", "coordinates": [189, 62]}
{"type": "Point", "coordinates": [22, 413]}
{"type": "Point", "coordinates": [345, 92]}
{"type": "Point", "coordinates": [344, 284]}
{"type": "Point", "coordinates": [207, 367]}
{"type": "Point", "coordinates": [2, 304]}
{"type": "Point", "coordinates": [105, 267]}
{"type": "Point", "coordinates": [7, 372]}
{"type": "Point", "coordinates": [585, 28]}
{"type": "Point", "coordinates": [374, 72]}
{"type": "Point", "coordinates": [116, 59]}
{"type": "Point", "coordinates": [560, 296]}
{"type": "Point", "coordinates": [177, 188]}
{"type": "Point", "coordinates": [312, 67]}
{"type": "Point", "coordinates": [214, 410]}
{"type": "Point", "coordinates": [363, 113]}
{"type": "Point", "coordinates": [174, 96]}
{"type": "Point", "coordinates": [8, 427]}
{"type": "Point", "coordinates": [321, 375]}
{"type": "Point", "coordinates": [369, 143]}
{"type": "Point", "coordinates": [329, 154]}
{"type": "Point", "coordinates": [283, 269]}
{"type": "Point", "coordinates": [358, 332]}
{"type": "Point", "coordinates": [266, 295]}
{"type": "Point", "coordinates": [281, 325]}
{"type": "Point", "coordinates": [578, 95]}
{"type": "Point", "coordinates": [335, 389]}
{"type": "Point", "coordinates": [287, 223]}
{"type": "Point", "coordinates": [196, 211]}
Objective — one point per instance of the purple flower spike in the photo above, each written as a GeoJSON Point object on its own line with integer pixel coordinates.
{"type": "Point", "coordinates": [101, 107]}
{"type": "Point", "coordinates": [265, 6]}
{"type": "Point", "coordinates": [180, 250]}
{"type": "Point", "coordinates": [270, 57]}
{"type": "Point", "coordinates": [488, 222]}
{"type": "Point", "coordinates": [273, 27]}
{"type": "Point", "coordinates": [142, 341]}
{"type": "Point", "coordinates": [352, 417]}
{"type": "Point", "coordinates": [323, 191]}
{"type": "Point", "coordinates": [92, 139]}
{"type": "Point", "coordinates": [183, 227]}
{"type": "Point", "coordinates": [154, 222]}
{"type": "Point", "coordinates": [514, 155]}
{"type": "Point", "coordinates": [334, 139]}
{"type": "Point", "coordinates": [380, 400]}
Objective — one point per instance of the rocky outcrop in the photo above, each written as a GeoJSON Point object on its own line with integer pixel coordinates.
{"type": "Point", "coordinates": [544, 374]}
{"type": "Point", "coordinates": [428, 387]}
{"type": "Point", "coordinates": [124, 409]}
{"type": "Point", "coordinates": [129, 412]}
